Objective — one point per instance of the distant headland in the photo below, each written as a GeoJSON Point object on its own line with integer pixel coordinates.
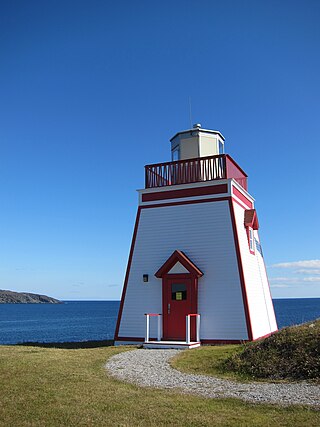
{"type": "Point", "coordinates": [10, 297]}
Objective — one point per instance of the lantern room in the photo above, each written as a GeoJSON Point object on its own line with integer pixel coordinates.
{"type": "Point", "coordinates": [195, 143]}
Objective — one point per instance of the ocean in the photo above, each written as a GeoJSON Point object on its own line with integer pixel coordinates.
{"type": "Point", "coordinates": [96, 320]}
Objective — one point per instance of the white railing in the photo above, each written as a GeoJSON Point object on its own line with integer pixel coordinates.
{"type": "Point", "coordinates": [147, 335]}
{"type": "Point", "coordinates": [188, 333]}
{"type": "Point", "coordinates": [159, 329]}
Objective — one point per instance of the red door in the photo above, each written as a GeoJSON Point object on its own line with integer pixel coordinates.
{"type": "Point", "coordinates": [178, 301]}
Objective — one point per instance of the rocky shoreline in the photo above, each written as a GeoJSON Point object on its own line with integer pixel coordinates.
{"type": "Point", "coordinates": [11, 297]}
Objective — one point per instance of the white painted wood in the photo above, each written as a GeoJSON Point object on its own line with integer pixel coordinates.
{"type": "Point", "coordinates": [196, 143]}
{"type": "Point", "coordinates": [198, 328]}
{"type": "Point", "coordinates": [258, 293]}
{"type": "Point", "coordinates": [234, 183]}
{"type": "Point", "coordinates": [180, 345]}
{"type": "Point", "coordinates": [188, 329]}
{"type": "Point", "coordinates": [147, 327]}
{"type": "Point", "coordinates": [159, 336]}
{"type": "Point", "coordinates": [203, 231]}
{"type": "Point", "coordinates": [178, 268]}
{"type": "Point", "coordinates": [208, 145]}
{"type": "Point", "coordinates": [188, 333]}
{"type": "Point", "coordinates": [159, 328]}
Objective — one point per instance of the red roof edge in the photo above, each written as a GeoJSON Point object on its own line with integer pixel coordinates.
{"type": "Point", "coordinates": [178, 256]}
{"type": "Point", "coordinates": [251, 219]}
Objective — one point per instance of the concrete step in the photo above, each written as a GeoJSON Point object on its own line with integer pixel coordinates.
{"type": "Point", "coordinates": [183, 345]}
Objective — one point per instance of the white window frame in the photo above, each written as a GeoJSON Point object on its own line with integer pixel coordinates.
{"type": "Point", "coordinates": [175, 150]}
{"type": "Point", "coordinates": [222, 145]}
{"type": "Point", "coordinates": [251, 239]}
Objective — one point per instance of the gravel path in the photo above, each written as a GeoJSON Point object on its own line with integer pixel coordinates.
{"type": "Point", "coordinates": [150, 368]}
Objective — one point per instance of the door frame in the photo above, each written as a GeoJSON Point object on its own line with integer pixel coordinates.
{"type": "Point", "coordinates": [191, 272]}
{"type": "Point", "coordinates": [192, 297]}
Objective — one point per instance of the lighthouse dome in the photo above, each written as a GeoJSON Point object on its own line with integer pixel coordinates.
{"type": "Point", "coordinates": [196, 142]}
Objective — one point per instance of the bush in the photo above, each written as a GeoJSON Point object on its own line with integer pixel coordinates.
{"type": "Point", "coordinates": [292, 352]}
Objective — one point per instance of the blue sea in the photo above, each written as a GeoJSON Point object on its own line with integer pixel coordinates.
{"type": "Point", "coordinates": [96, 320]}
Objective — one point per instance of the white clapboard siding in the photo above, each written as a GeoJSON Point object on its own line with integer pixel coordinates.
{"type": "Point", "coordinates": [204, 232]}
{"type": "Point", "coordinates": [261, 310]}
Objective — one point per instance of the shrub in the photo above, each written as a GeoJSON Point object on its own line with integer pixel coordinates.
{"type": "Point", "coordinates": [292, 352]}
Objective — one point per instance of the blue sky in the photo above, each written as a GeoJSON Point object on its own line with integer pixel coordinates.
{"type": "Point", "coordinates": [91, 91]}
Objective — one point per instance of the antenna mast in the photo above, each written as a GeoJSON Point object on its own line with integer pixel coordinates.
{"type": "Point", "coordinates": [190, 112]}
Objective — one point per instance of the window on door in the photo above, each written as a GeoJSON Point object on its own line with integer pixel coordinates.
{"type": "Point", "coordinates": [178, 291]}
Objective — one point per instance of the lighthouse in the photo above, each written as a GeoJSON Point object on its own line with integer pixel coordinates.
{"type": "Point", "coordinates": [196, 272]}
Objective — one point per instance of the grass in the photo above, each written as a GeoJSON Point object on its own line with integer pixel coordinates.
{"type": "Point", "coordinates": [69, 387]}
{"type": "Point", "coordinates": [208, 360]}
{"type": "Point", "coordinates": [293, 353]}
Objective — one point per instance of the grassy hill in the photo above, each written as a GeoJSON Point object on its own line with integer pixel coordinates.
{"type": "Point", "coordinates": [293, 353]}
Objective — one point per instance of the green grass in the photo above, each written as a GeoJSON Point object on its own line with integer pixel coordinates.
{"type": "Point", "coordinates": [70, 387]}
{"type": "Point", "coordinates": [208, 360]}
{"type": "Point", "coordinates": [293, 353]}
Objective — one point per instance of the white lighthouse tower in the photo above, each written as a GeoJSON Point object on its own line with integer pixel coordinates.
{"type": "Point", "coordinates": [196, 272]}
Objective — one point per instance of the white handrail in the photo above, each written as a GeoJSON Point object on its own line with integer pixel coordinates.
{"type": "Point", "coordinates": [198, 328]}
{"type": "Point", "coordinates": [188, 333]}
{"type": "Point", "coordinates": [147, 334]}
{"type": "Point", "coordinates": [159, 332]}
{"type": "Point", "coordinates": [188, 329]}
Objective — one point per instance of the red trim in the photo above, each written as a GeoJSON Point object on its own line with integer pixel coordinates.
{"type": "Point", "coordinates": [197, 169]}
{"type": "Point", "coordinates": [127, 273]}
{"type": "Point", "coordinates": [186, 192]}
{"type": "Point", "coordinates": [152, 314]}
{"type": "Point", "coordinates": [237, 167]}
{"type": "Point", "coordinates": [238, 203]}
{"type": "Point", "coordinates": [192, 284]}
{"type": "Point", "coordinates": [178, 256]}
{"type": "Point", "coordinates": [251, 219]}
{"type": "Point", "coordinates": [187, 202]}
{"type": "Point", "coordinates": [241, 274]}
{"type": "Point", "coordinates": [223, 341]}
{"type": "Point", "coordinates": [242, 197]}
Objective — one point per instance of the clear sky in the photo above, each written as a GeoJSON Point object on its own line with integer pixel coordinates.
{"type": "Point", "coordinates": [91, 91]}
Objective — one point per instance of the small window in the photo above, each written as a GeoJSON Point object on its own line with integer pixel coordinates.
{"type": "Point", "coordinates": [221, 147]}
{"type": "Point", "coordinates": [178, 291]}
{"type": "Point", "coordinates": [258, 247]}
{"type": "Point", "coordinates": [251, 239]}
{"type": "Point", "coordinates": [176, 154]}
